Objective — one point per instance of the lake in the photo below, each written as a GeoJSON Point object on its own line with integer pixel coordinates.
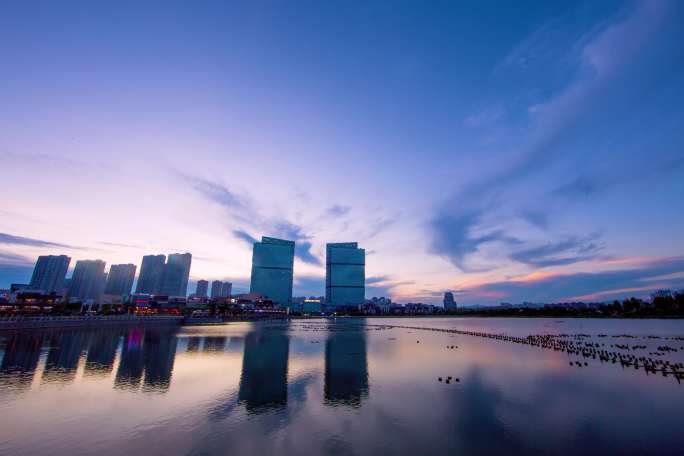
{"type": "Point", "coordinates": [346, 387]}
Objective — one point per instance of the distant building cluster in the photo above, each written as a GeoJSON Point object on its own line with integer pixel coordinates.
{"type": "Point", "coordinates": [162, 282]}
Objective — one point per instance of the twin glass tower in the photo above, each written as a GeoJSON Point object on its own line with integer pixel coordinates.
{"type": "Point", "coordinates": [272, 272]}
{"type": "Point", "coordinates": [272, 263]}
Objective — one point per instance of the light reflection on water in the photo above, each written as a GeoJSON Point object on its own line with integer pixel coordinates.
{"type": "Point", "coordinates": [334, 387]}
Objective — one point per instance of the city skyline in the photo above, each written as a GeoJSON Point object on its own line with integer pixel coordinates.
{"type": "Point", "coordinates": [539, 163]}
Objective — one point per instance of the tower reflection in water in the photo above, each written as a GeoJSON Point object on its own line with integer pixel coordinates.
{"type": "Point", "coordinates": [63, 356]}
{"type": "Point", "coordinates": [146, 360]}
{"type": "Point", "coordinates": [159, 350]}
{"type": "Point", "coordinates": [150, 352]}
{"type": "Point", "coordinates": [130, 371]}
{"type": "Point", "coordinates": [263, 383]}
{"type": "Point", "coordinates": [20, 360]}
{"type": "Point", "coordinates": [102, 353]}
{"type": "Point", "coordinates": [346, 366]}
{"type": "Point", "coordinates": [215, 344]}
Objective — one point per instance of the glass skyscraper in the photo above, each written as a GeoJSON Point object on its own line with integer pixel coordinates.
{"type": "Point", "coordinates": [49, 273]}
{"type": "Point", "coordinates": [345, 274]}
{"type": "Point", "coordinates": [216, 286]}
{"type": "Point", "coordinates": [272, 265]}
{"type": "Point", "coordinates": [202, 288]}
{"type": "Point", "coordinates": [151, 274]}
{"type": "Point", "coordinates": [120, 279]}
{"type": "Point", "coordinates": [176, 274]}
{"type": "Point", "coordinates": [88, 280]}
{"type": "Point", "coordinates": [226, 289]}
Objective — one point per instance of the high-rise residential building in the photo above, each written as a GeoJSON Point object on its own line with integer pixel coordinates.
{"type": "Point", "coordinates": [345, 274]}
{"type": "Point", "coordinates": [449, 302]}
{"type": "Point", "coordinates": [176, 274]}
{"type": "Point", "coordinates": [202, 289]}
{"type": "Point", "coordinates": [120, 279]}
{"type": "Point", "coordinates": [272, 266]}
{"type": "Point", "coordinates": [151, 274]}
{"type": "Point", "coordinates": [49, 273]}
{"type": "Point", "coordinates": [226, 289]}
{"type": "Point", "coordinates": [87, 281]}
{"type": "Point", "coordinates": [216, 287]}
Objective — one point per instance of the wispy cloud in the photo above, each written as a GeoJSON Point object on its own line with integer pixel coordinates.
{"type": "Point", "coordinates": [9, 258]}
{"type": "Point", "coordinates": [242, 212]}
{"type": "Point", "coordinates": [309, 285]}
{"type": "Point", "coordinates": [453, 235]}
{"type": "Point", "coordinates": [245, 236]}
{"type": "Point", "coordinates": [338, 210]}
{"type": "Point", "coordinates": [124, 245]}
{"type": "Point", "coordinates": [376, 279]}
{"type": "Point", "coordinates": [379, 225]}
{"type": "Point", "coordinates": [568, 251]}
{"type": "Point", "coordinates": [11, 239]}
{"type": "Point", "coordinates": [601, 285]}
{"type": "Point", "coordinates": [303, 252]}
{"type": "Point", "coordinates": [384, 285]}
{"type": "Point", "coordinates": [473, 217]}
{"type": "Point", "coordinates": [238, 206]}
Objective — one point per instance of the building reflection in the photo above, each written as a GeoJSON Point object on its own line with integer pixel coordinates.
{"type": "Point", "coordinates": [19, 363]}
{"type": "Point", "coordinates": [193, 344]}
{"type": "Point", "coordinates": [263, 384]}
{"type": "Point", "coordinates": [65, 351]}
{"type": "Point", "coordinates": [102, 353]}
{"type": "Point", "coordinates": [159, 350]}
{"type": "Point", "coordinates": [214, 344]}
{"type": "Point", "coordinates": [346, 366]}
{"type": "Point", "coordinates": [147, 358]}
{"type": "Point", "coordinates": [129, 373]}
{"type": "Point", "coordinates": [235, 343]}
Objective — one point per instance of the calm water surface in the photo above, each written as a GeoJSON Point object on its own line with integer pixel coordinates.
{"type": "Point", "coordinates": [345, 386]}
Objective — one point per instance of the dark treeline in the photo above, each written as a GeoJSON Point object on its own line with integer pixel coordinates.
{"type": "Point", "coordinates": [660, 306]}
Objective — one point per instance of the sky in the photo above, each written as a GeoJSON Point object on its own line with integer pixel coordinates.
{"type": "Point", "coordinates": [506, 151]}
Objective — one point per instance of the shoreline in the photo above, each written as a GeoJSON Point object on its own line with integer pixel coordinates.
{"type": "Point", "coordinates": [38, 323]}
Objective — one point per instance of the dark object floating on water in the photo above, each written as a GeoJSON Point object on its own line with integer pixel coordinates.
{"type": "Point", "coordinates": [576, 344]}
{"type": "Point", "coordinates": [439, 379]}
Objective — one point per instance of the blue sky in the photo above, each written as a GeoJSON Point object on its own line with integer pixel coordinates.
{"type": "Point", "coordinates": [508, 151]}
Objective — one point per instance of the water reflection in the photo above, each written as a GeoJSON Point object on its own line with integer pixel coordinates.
{"type": "Point", "coordinates": [131, 363]}
{"type": "Point", "coordinates": [150, 354]}
{"type": "Point", "coordinates": [64, 354]}
{"type": "Point", "coordinates": [159, 353]}
{"type": "Point", "coordinates": [214, 344]}
{"type": "Point", "coordinates": [346, 366]}
{"type": "Point", "coordinates": [303, 388]}
{"type": "Point", "coordinates": [102, 353]}
{"type": "Point", "coordinates": [263, 383]}
{"type": "Point", "coordinates": [20, 360]}
{"type": "Point", "coordinates": [477, 424]}
{"type": "Point", "coordinates": [193, 344]}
